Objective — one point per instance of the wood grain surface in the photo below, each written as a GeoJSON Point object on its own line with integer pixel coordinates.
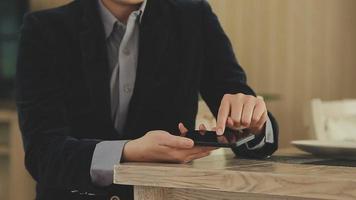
{"type": "Point", "coordinates": [256, 177]}
{"type": "Point", "coordinates": [145, 193]}
{"type": "Point", "coordinates": [151, 193]}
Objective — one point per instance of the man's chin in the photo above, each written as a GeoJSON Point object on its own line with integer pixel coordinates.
{"type": "Point", "coordinates": [128, 2]}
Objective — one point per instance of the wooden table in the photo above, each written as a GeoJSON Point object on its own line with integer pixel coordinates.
{"type": "Point", "coordinates": [289, 175]}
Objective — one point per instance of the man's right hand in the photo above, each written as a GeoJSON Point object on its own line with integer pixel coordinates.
{"type": "Point", "coordinates": [161, 146]}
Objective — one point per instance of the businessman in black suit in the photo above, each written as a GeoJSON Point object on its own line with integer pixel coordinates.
{"type": "Point", "coordinates": [101, 82]}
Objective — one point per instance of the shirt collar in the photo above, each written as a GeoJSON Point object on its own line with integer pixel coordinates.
{"type": "Point", "coordinates": [142, 9]}
{"type": "Point", "coordinates": [109, 19]}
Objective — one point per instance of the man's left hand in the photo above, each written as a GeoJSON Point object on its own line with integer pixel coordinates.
{"type": "Point", "coordinates": [240, 111]}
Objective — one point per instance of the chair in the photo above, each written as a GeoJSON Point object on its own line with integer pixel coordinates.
{"type": "Point", "coordinates": [334, 120]}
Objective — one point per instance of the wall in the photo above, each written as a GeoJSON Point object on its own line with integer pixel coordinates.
{"type": "Point", "coordinates": [300, 49]}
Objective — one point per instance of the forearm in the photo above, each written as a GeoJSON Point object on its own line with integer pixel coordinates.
{"type": "Point", "coordinates": [60, 162]}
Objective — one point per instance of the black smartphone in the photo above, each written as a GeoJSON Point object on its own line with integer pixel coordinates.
{"type": "Point", "coordinates": [229, 139]}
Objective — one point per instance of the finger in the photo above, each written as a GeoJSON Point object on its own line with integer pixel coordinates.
{"type": "Point", "coordinates": [208, 148]}
{"type": "Point", "coordinates": [222, 140]}
{"type": "Point", "coordinates": [230, 123]}
{"type": "Point", "coordinates": [197, 156]}
{"type": "Point", "coordinates": [223, 113]}
{"type": "Point", "coordinates": [236, 112]}
{"type": "Point", "coordinates": [183, 130]}
{"type": "Point", "coordinates": [260, 124]}
{"type": "Point", "coordinates": [247, 112]}
{"type": "Point", "coordinates": [202, 129]}
{"type": "Point", "coordinates": [234, 128]}
{"type": "Point", "coordinates": [258, 112]}
{"type": "Point", "coordinates": [177, 142]}
{"type": "Point", "coordinates": [196, 150]}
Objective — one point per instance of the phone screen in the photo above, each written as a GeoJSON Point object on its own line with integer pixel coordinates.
{"type": "Point", "coordinates": [229, 139]}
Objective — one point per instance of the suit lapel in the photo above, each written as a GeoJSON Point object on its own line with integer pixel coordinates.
{"type": "Point", "coordinates": [154, 39]}
{"type": "Point", "coordinates": [95, 63]}
{"type": "Point", "coordinates": [155, 33]}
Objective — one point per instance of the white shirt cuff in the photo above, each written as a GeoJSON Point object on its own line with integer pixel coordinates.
{"type": "Point", "coordinates": [106, 155]}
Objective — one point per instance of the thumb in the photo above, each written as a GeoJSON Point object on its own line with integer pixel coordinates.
{"type": "Point", "coordinates": [182, 129]}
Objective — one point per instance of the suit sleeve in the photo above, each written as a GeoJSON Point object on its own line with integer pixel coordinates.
{"type": "Point", "coordinates": [222, 74]}
{"type": "Point", "coordinates": [54, 158]}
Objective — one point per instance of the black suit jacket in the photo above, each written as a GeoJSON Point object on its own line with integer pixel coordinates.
{"type": "Point", "coordinates": [63, 94]}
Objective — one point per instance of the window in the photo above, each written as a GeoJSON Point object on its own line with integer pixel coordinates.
{"type": "Point", "coordinates": [11, 14]}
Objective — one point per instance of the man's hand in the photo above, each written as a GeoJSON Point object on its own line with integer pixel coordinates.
{"type": "Point", "coordinates": [161, 146]}
{"type": "Point", "coordinates": [241, 111]}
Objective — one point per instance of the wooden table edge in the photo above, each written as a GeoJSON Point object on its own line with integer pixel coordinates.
{"type": "Point", "coordinates": [234, 181]}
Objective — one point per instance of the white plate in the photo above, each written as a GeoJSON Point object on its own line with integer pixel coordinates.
{"type": "Point", "coordinates": [332, 149]}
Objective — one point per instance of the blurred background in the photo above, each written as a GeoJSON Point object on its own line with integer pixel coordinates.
{"type": "Point", "coordinates": [292, 50]}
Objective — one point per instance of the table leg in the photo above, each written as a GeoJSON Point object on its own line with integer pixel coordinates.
{"type": "Point", "coordinates": [150, 193]}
